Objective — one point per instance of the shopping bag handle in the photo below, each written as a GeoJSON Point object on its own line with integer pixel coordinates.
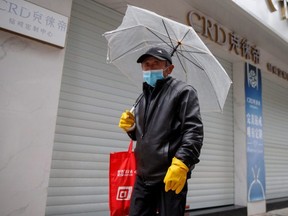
{"type": "Point", "coordinates": [130, 146]}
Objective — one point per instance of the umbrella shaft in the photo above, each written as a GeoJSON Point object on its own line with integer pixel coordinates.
{"type": "Point", "coordinates": [136, 103]}
{"type": "Point", "coordinates": [175, 48]}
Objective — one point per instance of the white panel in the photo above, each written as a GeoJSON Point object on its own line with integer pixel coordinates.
{"type": "Point", "coordinates": [275, 132]}
{"type": "Point", "coordinates": [212, 182]}
{"type": "Point", "coordinates": [93, 95]}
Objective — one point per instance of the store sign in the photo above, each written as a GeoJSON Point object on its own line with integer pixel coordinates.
{"type": "Point", "coordinates": [33, 21]}
{"type": "Point", "coordinates": [224, 37]}
{"type": "Point", "coordinates": [256, 185]}
{"type": "Point", "coordinates": [277, 71]}
{"type": "Point", "coordinates": [281, 5]}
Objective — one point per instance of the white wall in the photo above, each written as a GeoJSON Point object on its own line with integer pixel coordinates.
{"type": "Point", "coordinates": [272, 20]}
{"type": "Point", "coordinates": [30, 78]}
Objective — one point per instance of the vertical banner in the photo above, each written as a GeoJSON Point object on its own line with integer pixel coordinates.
{"type": "Point", "coordinates": [254, 134]}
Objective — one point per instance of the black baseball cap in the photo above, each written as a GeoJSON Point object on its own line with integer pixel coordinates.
{"type": "Point", "coordinates": [156, 52]}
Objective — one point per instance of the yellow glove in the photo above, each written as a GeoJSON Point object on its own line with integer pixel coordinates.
{"type": "Point", "coordinates": [176, 175]}
{"type": "Point", "coordinates": [127, 121]}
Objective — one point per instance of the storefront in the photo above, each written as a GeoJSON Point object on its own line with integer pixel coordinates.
{"type": "Point", "coordinates": [93, 95]}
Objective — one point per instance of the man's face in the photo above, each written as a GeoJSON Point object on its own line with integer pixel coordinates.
{"type": "Point", "coordinates": [152, 63]}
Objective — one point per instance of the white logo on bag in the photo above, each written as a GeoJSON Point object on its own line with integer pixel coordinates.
{"type": "Point", "coordinates": [122, 173]}
{"type": "Point", "coordinates": [124, 193]}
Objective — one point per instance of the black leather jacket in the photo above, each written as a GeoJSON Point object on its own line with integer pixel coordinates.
{"type": "Point", "coordinates": [168, 124]}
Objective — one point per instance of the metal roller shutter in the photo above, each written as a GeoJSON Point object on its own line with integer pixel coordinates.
{"type": "Point", "coordinates": [93, 96]}
{"type": "Point", "coordinates": [275, 132]}
{"type": "Point", "coordinates": [212, 182]}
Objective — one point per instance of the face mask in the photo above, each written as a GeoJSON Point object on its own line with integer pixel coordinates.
{"type": "Point", "coordinates": [151, 76]}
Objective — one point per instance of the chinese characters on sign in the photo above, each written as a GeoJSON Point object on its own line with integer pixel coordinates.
{"type": "Point", "coordinates": [33, 21]}
{"type": "Point", "coordinates": [254, 126]}
{"type": "Point", "coordinates": [283, 7]}
{"type": "Point", "coordinates": [212, 30]}
{"type": "Point", "coordinates": [235, 43]}
{"type": "Point", "coordinates": [277, 71]}
{"type": "Point", "coordinates": [241, 47]}
{"type": "Point", "coordinates": [254, 134]}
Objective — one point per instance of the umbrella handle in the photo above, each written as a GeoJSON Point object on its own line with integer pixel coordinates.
{"type": "Point", "coordinates": [132, 109]}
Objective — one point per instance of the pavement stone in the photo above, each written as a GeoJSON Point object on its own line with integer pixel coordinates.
{"type": "Point", "coordinates": [278, 212]}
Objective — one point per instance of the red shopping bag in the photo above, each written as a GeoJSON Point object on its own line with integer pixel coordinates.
{"type": "Point", "coordinates": [122, 175]}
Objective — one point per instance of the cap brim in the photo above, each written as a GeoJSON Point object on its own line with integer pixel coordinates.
{"type": "Point", "coordinates": [144, 56]}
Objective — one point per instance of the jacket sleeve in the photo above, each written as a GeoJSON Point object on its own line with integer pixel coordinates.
{"type": "Point", "coordinates": [191, 127]}
{"type": "Point", "coordinates": [132, 135]}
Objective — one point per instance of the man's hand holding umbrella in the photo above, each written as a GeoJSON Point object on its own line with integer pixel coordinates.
{"type": "Point", "coordinates": [127, 121]}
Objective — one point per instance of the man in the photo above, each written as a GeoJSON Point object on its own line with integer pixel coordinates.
{"type": "Point", "coordinates": [168, 128]}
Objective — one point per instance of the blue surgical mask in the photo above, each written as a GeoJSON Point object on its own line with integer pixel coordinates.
{"type": "Point", "coordinates": [151, 76]}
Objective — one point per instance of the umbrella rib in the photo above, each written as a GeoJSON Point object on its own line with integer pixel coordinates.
{"type": "Point", "coordinates": [123, 54]}
{"type": "Point", "coordinates": [179, 53]}
{"type": "Point", "coordinates": [185, 35]}
{"type": "Point", "coordinates": [174, 49]}
{"type": "Point", "coordinates": [199, 66]}
{"type": "Point", "coordinates": [181, 63]}
{"type": "Point", "coordinates": [161, 38]}
{"type": "Point", "coordinates": [179, 43]}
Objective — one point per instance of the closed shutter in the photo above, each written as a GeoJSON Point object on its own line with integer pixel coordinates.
{"type": "Point", "coordinates": [275, 132]}
{"type": "Point", "coordinates": [93, 96]}
{"type": "Point", "coordinates": [212, 181]}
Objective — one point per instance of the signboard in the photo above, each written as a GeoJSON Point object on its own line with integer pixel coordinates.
{"type": "Point", "coordinates": [254, 134]}
{"type": "Point", "coordinates": [214, 31]}
{"type": "Point", "coordinates": [33, 21]}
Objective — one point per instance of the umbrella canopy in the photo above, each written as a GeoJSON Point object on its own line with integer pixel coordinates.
{"type": "Point", "coordinates": [194, 63]}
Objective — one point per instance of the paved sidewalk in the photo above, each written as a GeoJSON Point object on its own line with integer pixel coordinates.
{"type": "Point", "coordinates": [278, 212]}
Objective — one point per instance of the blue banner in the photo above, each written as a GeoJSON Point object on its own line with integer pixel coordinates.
{"type": "Point", "coordinates": [254, 134]}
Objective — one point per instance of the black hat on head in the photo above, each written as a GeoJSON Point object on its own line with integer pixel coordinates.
{"type": "Point", "coordinates": [156, 52]}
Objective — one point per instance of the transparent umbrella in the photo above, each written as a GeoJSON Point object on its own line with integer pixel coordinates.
{"type": "Point", "coordinates": [194, 63]}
